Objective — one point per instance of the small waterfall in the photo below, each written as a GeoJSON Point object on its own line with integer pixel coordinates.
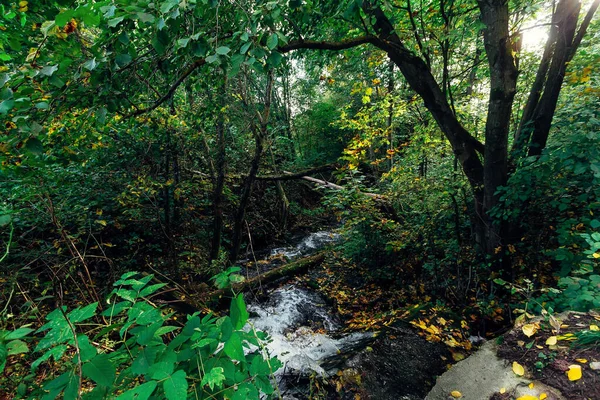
{"type": "Point", "coordinates": [299, 324]}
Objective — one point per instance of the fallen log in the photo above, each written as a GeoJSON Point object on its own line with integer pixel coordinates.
{"type": "Point", "coordinates": [269, 277]}
{"type": "Point", "coordinates": [286, 176]}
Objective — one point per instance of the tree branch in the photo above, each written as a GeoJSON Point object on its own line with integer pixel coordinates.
{"type": "Point", "coordinates": [195, 65]}
{"type": "Point", "coordinates": [290, 176]}
{"type": "Point", "coordinates": [325, 45]}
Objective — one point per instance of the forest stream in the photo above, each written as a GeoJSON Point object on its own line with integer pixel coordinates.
{"type": "Point", "coordinates": [308, 336]}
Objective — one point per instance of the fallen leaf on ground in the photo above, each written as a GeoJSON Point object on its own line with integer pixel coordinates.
{"type": "Point", "coordinates": [456, 394]}
{"type": "Point", "coordinates": [518, 369]}
{"type": "Point", "coordinates": [529, 329]}
{"type": "Point", "coordinates": [551, 341]}
{"type": "Point", "coordinates": [574, 372]}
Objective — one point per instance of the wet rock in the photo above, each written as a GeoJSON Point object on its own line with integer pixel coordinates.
{"type": "Point", "coordinates": [400, 365]}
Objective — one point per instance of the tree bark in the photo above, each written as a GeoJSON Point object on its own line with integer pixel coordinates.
{"type": "Point", "coordinates": [503, 83]}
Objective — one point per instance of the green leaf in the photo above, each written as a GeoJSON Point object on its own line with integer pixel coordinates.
{"type": "Point", "coordinates": [6, 106]}
{"type": "Point", "coordinates": [233, 347]}
{"type": "Point", "coordinates": [56, 352]}
{"type": "Point", "coordinates": [167, 5]}
{"type": "Point", "coordinates": [147, 291]}
{"type": "Point", "coordinates": [142, 392]}
{"type": "Point", "coordinates": [223, 50]}
{"type": "Point", "coordinates": [272, 41]}
{"type": "Point", "coordinates": [79, 315]}
{"type": "Point", "coordinates": [100, 370]}
{"type": "Point", "coordinates": [145, 17]}
{"type": "Point", "coordinates": [63, 18]}
{"type": "Point", "coordinates": [176, 386]}
{"type": "Point", "coordinates": [116, 309]}
{"type": "Point", "coordinates": [245, 48]}
{"type": "Point", "coordinates": [275, 58]}
{"type": "Point", "coordinates": [122, 60]}
{"type": "Point", "coordinates": [49, 70]}
{"type": "Point", "coordinates": [595, 224]}
{"type": "Point", "coordinates": [239, 314]}
{"type": "Point", "coordinates": [5, 219]}
{"type": "Point", "coordinates": [163, 368]}
{"type": "Point", "coordinates": [214, 378]}
{"type": "Point", "coordinates": [115, 21]}
{"type": "Point", "coordinates": [3, 355]}
{"type": "Point", "coordinates": [86, 350]}
{"type": "Point", "coordinates": [144, 360]}
{"type": "Point", "coordinates": [146, 336]}
{"type": "Point", "coordinates": [18, 333]}
{"type": "Point", "coordinates": [72, 389]}
{"type": "Point", "coordinates": [16, 347]}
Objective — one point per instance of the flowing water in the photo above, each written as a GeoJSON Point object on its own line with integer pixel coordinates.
{"type": "Point", "coordinates": [304, 330]}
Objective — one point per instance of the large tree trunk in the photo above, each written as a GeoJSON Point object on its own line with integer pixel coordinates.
{"type": "Point", "coordinates": [503, 83]}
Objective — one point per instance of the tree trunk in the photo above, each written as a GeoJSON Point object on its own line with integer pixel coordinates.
{"type": "Point", "coordinates": [503, 83]}
{"type": "Point", "coordinates": [220, 177]}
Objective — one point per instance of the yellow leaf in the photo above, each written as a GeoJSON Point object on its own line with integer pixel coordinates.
{"type": "Point", "coordinates": [596, 255]}
{"type": "Point", "coordinates": [574, 372]}
{"type": "Point", "coordinates": [594, 328]}
{"type": "Point", "coordinates": [527, 397]}
{"type": "Point", "coordinates": [543, 396]}
{"type": "Point", "coordinates": [502, 390]}
{"type": "Point", "coordinates": [551, 341]}
{"type": "Point", "coordinates": [581, 360]}
{"type": "Point", "coordinates": [529, 329]}
{"type": "Point", "coordinates": [531, 385]}
{"type": "Point", "coordinates": [456, 394]}
{"type": "Point", "coordinates": [518, 369]}
{"type": "Point", "coordinates": [101, 222]}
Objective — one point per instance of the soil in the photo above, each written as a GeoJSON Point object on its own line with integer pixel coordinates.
{"type": "Point", "coordinates": [549, 364]}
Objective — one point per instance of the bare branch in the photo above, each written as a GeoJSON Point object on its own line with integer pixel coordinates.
{"type": "Point", "coordinates": [326, 45]}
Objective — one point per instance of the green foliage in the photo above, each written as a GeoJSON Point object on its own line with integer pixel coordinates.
{"type": "Point", "coordinates": [136, 354]}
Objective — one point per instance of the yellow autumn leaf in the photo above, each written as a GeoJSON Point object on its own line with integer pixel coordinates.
{"type": "Point", "coordinates": [574, 372]}
{"type": "Point", "coordinates": [596, 255]}
{"type": "Point", "coordinates": [594, 328]}
{"type": "Point", "coordinates": [502, 390]}
{"type": "Point", "coordinates": [518, 369]}
{"type": "Point", "coordinates": [529, 329]}
{"type": "Point", "coordinates": [527, 397]}
{"type": "Point", "coordinates": [551, 341]}
{"type": "Point", "coordinates": [101, 222]}
{"type": "Point", "coordinates": [531, 385]}
{"type": "Point", "coordinates": [543, 396]}
{"type": "Point", "coordinates": [456, 394]}
{"type": "Point", "coordinates": [581, 360]}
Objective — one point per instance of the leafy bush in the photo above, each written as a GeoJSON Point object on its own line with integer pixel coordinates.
{"type": "Point", "coordinates": [137, 354]}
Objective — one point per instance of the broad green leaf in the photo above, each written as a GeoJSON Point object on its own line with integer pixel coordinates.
{"type": "Point", "coordinates": [6, 106]}
{"type": "Point", "coordinates": [233, 347]}
{"type": "Point", "coordinates": [86, 349]}
{"type": "Point", "coordinates": [72, 389]}
{"type": "Point", "coordinates": [272, 41]}
{"type": "Point", "coordinates": [144, 359]}
{"type": "Point", "coordinates": [223, 50]}
{"type": "Point", "coordinates": [18, 333]}
{"type": "Point", "coordinates": [16, 347]}
{"type": "Point", "coordinates": [141, 392]}
{"type": "Point", "coordinates": [163, 368]}
{"type": "Point", "coordinates": [100, 370]}
{"type": "Point", "coordinates": [238, 313]}
{"type": "Point", "coordinates": [176, 386]}
{"type": "Point", "coordinates": [145, 17]}
{"type": "Point", "coordinates": [81, 314]}
{"type": "Point", "coordinates": [214, 378]}
{"type": "Point", "coordinates": [122, 60]}
{"type": "Point", "coordinates": [64, 17]}
{"type": "Point", "coordinates": [56, 352]}
{"type": "Point", "coordinates": [147, 291]}
{"type": "Point", "coordinates": [49, 70]}
{"type": "Point", "coordinates": [116, 308]}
